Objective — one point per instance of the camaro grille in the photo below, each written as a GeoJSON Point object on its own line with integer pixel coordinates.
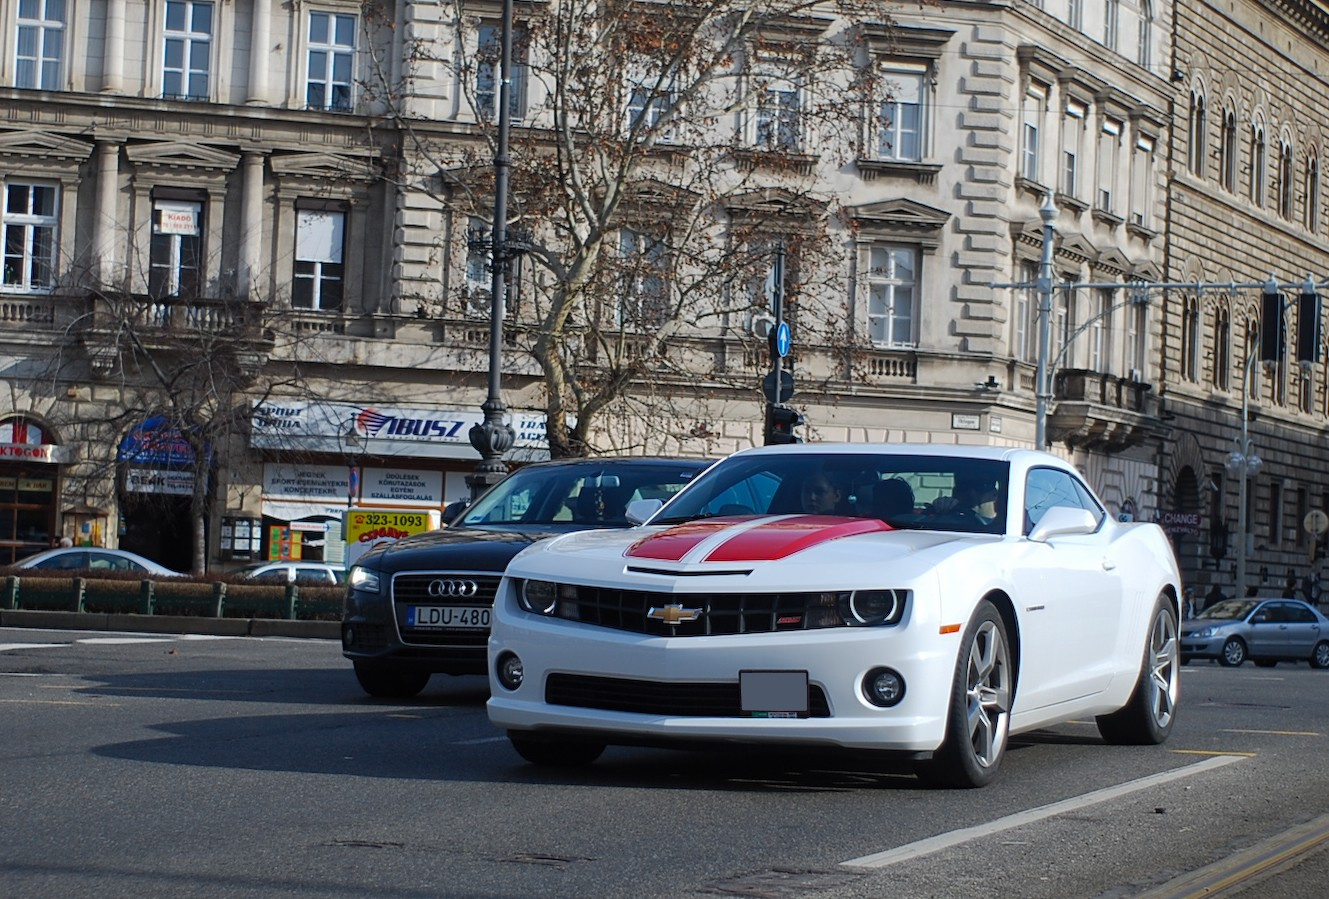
{"type": "Point", "coordinates": [716, 614]}
{"type": "Point", "coordinates": [704, 700]}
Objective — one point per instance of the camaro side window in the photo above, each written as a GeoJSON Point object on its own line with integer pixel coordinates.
{"type": "Point", "coordinates": [1048, 487]}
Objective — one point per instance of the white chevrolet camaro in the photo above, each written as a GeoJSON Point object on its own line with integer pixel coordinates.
{"type": "Point", "coordinates": [919, 600]}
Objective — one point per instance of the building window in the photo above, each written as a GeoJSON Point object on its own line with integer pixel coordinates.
{"type": "Point", "coordinates": [651, 93]}
{"type": "Point", "coordinates": [30, 231]}
{"type": "Point", "coordinates": [1305, 390]}
{"type": "Point", "coordinates": [188, 50]}
{"type": "Point", "coordinates": [1312, 191]}
{"type": "Point", "coordinates": [1100, 330]}
{"type": "Point", "coordinates": [1076, 17]}
{"type": "Point", "coordinates": [892, 281]}
{"type": "Point", "coordinates": [1285, 180]}
{"type": "Point", "coordinates": [1251, 373]}
{"type": "Point", "coordinates": [777, 113]}
{"type": "Point", "coordinates": [1227, 163]}
{"type": "Point", "coordinates": [1190, 338]}
{"type": "Point", "coordinates": [1199, 144]}
{"type": "Point", "coordinates": [900, 126]}
{"type": "Point", "coordinates": [1137, 338]}
{"type": "Point", "coordinates": [1026, 314]}
{"type": "Point", "coordinates": [1072, 131]}
{"type": "Point", "coordinates": [1142, 181]}
{"type": "Point", "coordinates": [1112, 15]}
{"type": "Point", "coordinates": [319, 270]}
{"type": "Point", "coordinates": [1063, 326]}
{"type": "Point", "coordinates": [40, 48]}
{"type": "Point", "coordinates": [1222, 362]}
{"type": "Point", "coordinates": [175, 255]}
{"type": "Point", "coordinates": [331, 61]}
{"type": "Point", "coordinates": [1109, 141]}
{"type": "Point", "coordinates": [1259, 162]}
{"type": "Point", "coordinates": [644, 260]}
{"type": "Point", "coordinates": [488, 62]}
{"type": "Point", "coordinates": [1034, 100]}
{"type": "Point", "coordinates": [1144, 53]}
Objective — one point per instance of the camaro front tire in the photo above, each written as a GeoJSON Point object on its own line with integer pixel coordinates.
{"type": "Point", "coordinates": [979, 719]}
{"type": "Point", "coordinates": [1147, 717]}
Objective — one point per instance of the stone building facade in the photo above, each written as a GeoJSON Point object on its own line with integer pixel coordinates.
{"type": "Point", "coordinates": [256, 168]}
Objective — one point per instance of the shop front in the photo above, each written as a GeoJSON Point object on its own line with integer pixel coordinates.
{"type": "Point", "coordinates": [30, 463]}
{"type": "Point", "coordinates": [157, 476]}
{"type": "Point", "coordinates": [328, 458]}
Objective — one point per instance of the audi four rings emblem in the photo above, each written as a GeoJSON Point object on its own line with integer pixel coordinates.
{"type": "Point", "coordinates": [453, 588]}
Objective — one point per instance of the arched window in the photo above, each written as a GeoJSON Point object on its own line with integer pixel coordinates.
{"type": "Point", "coordinates": [1144, 53]}
{"type": "Point", "coordinates": [1227, 164]}
{"type": "Point", "coordinates": [1199, 145]}
{"type": "Point", "coordinates": [1222, 359]}
{"type": "Point", "coordinates": [1259, 162]}
{"type": "Point", "coordinates": [1311, 191]}
{"type": "Point", "coordinates": [1285, 179]}
{"type": "Point", "coordinates": [1190, 337]}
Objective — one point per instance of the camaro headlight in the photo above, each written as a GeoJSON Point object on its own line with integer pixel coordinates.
{"type": "Point", "coordinates": [364, 579]}
{"type": "Point", "coordinates": [548, 598]}
{"type": "Point", "coordinates": [870, 608]}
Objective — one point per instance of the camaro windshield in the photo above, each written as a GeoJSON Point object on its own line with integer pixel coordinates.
{"type": "Point", "coordinates": [906, 491]}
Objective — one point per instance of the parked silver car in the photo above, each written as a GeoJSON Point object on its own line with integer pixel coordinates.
{"type": "Point", "coordinates": [1266, 631]}
{"type": "Point", "coordinates": [304, 573]}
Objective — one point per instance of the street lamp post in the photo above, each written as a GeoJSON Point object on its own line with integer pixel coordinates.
{"type": "Point", "coordinates": [1042, 391]}
{"type": "Point", "coordinates": [1243, 464]}
{"type": "Point", "coordinates": [493, 437]}
{"type": "Point", "coordinates": [354, 447]}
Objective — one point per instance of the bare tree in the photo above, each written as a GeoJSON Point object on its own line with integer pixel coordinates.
{"type": "Point", "coordinates": [665, 152]}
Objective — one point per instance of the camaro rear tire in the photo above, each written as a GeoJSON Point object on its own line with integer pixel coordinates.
{"type": "Point", "coordinates": [979, 719]}
{"type": "Point", "coordinates": [554, 751]}
{"type": "Point", "coordinates": [390, 683]}
{"type": "Point", "coordinates": [1233, 653]}
{"type": "Point", "coordinates": [1320, 655]}
{"type": "Point", "coordinates": [1147, 717]}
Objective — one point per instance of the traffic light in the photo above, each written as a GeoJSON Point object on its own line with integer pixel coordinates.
{"type": "Point", "coordinates": [1271, 324]}
{"type": "Point", "coordinates": [780, 424]}
{"type": "Point", "coordinates": [1308, 324]}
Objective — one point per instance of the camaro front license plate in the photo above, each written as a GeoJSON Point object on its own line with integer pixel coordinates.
{"type": "Point", "coordinates": [457, 617]}
{"type": "Point", "coordinates": [774, 694]}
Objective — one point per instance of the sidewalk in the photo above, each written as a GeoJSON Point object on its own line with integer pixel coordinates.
{"type": "Point", "coordinates": [170, 624]}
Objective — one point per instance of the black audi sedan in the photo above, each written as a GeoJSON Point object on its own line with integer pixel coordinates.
{"type": "Point", "coordinates": [421, 606]}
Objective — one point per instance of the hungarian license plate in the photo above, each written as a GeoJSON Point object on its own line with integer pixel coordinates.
{"type": "Point", "coordinates": [774, 694]}
{"type": "Point", "coordinates": [456, 617]}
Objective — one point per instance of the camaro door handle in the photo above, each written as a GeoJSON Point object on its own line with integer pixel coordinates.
{"type": "Point", "coordinates": [1109, 564]}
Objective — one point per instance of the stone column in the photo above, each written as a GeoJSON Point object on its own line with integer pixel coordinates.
{"type": "Point", "coordinates": [113, 48]}
{"type": "Point", "coordinates": [104, 270]}
{"type": "Point", "coordinates": [259, 52]}
{"type": "Point", "coordinates": [251, 217]}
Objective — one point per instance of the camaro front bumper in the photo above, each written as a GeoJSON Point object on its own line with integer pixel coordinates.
{"type": "Point", "coordinates": [837, 660]}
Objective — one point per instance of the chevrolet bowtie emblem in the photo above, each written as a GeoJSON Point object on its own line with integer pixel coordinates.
{"type": "Point", "coordinates": [673, 614]}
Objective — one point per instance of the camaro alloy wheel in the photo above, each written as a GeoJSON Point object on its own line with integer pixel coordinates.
{"type": "Point", "coordinates": [980, 714]}
{"type": "Point", "coordinates": [1147, 718]}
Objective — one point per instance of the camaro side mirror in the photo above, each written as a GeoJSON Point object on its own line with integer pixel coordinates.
{"type": "Point", "coordinates": [1063, 521]}
{"type": "Point", "coordinates": [641, 509]}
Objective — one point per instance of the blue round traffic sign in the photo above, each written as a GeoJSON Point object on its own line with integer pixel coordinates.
{"type": "Point", "coordinates": [784, 340]}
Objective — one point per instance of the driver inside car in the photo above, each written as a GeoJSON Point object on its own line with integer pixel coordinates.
{"type": "Point", "coordinates": [973, 495]}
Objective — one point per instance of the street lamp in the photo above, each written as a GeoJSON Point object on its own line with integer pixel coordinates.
{"type": "Point", "coordinates": [1042, 393]}
{"type": "Point", "coordinates": [493, 437]}
{"type": "Point", "coordinates": [355, 445]}
{"type": "Point", "coordinates": [1243, 464]}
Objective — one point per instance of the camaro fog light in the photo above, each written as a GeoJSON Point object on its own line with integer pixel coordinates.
{"type": "Point", "coordinates": [883, 687]}
{"type": "Point", "coordinates": [509, 670]}
{"type": "Point", "coordinates": [540, 597]}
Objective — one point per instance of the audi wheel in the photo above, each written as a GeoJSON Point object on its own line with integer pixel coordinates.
{"type": "Point", "coordinates": [385, 682]}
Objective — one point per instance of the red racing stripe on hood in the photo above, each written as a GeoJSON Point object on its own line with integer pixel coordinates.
{"type": "Point", "coordinates": [781, 539]}
{"type": "Point", "coordinates": [767, 542]}
{"type": "Point", "coordinates": [673, 544]}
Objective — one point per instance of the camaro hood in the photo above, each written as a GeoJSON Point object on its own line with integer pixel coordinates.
{"type": "Point", "coordinates": [790, 549]}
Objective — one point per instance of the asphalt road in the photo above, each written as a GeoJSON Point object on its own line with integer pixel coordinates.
{"type": "Point", "coordinates": [207, 766]}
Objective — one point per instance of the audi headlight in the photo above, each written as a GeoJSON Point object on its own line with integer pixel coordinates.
{"type": "Point", "coordinates": [871, 608]}
{"type": "Point", "coordinates": [364, 579]}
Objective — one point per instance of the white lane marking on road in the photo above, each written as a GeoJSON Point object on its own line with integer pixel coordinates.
{"type": "Point", "coordinates": [7, 646]}
{"type": "Point", "coordinates": [118, 641]}
{"type": "Point", "coordinates": [966, 834]}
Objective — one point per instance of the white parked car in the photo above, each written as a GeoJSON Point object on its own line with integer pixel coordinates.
{"type": "Point", "coordinates": [316, 574]}
{"type": "Point", "coordinates": [926, 601]}
{"type": "Point", "coordinates": [94, 559]}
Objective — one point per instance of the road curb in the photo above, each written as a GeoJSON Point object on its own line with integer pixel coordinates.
{"type": "Point", "coordinates": [170, 624]}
